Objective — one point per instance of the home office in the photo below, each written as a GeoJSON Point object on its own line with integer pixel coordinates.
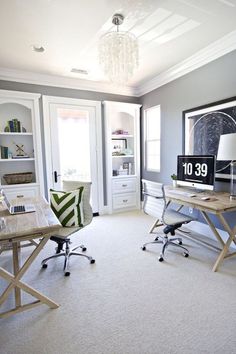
{"type": "Point", "coordinates": [120, 303]}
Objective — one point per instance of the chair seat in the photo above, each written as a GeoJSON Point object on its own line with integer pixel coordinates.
{"type": "Point", "coordinates": [173, 217]}
{"type": "Point", "coordinates": [64, 232]}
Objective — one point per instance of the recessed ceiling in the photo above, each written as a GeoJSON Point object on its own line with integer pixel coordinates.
{"type": "Point", "coordinates": [169, 33]}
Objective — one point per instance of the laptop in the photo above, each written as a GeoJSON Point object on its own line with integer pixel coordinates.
{"type": "Point", "coordinates": [17, 209]}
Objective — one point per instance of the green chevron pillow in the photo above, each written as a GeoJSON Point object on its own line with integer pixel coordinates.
{"type": "Point", "coordinates": [67, 206]}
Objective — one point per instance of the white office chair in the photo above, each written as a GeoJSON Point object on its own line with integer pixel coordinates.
{"type": "Point", "coordinates": [154, 197]}
{"type": "Point", "coordinates": [62, 237]}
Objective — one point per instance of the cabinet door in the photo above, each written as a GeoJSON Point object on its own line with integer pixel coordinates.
{"type": "Point", "coordinates": [123, 201]}
{"type": "Point", "coordinates": [123, 185]}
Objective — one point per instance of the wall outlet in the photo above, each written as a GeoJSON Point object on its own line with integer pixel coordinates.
{"type": "Point", "coordinates": [190, 210]}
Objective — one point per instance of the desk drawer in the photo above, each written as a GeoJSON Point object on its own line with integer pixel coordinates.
{"type": "Point", "coordinates": [125, 200]}
{"type": "Point", "coordinates": [30, 192]}
{"type": "Point", "coordinates": [124, 185]}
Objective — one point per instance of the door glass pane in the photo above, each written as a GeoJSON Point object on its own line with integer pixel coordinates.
{"type": "Point", "coordinates": [73, 134]}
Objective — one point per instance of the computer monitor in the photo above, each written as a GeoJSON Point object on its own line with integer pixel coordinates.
{"type": "Point", "coordinates": [197, 171]}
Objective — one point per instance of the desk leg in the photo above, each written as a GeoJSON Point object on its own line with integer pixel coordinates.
{"type": "Point", "coordinates": [16, 284]}
{"type": "Point", "coordinates": [225, 249]}
{"type": "Point", "coordinates": [16, 267]}
{"type": "Point", "coordinates": [212, 227]}
{"type": "Point", "coordinates": [155, 225]}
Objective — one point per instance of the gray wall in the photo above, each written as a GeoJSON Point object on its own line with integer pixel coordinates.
{"type": "Point", "coordinates": [212, 82]}
{"type": "Point", "coordinates": [64, 92]}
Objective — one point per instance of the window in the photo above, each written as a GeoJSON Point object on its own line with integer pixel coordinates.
{"type": "Point", "coordinates": [152, 118]}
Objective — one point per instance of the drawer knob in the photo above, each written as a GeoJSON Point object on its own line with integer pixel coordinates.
{"type": "Point", "coordinates": [20, 196]}
{"type": "Point", "coordinates": [124, 185]}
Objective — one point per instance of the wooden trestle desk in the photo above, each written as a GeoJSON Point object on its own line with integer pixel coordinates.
{"type": "Point", "coordinates": [24, 227]}
{"type": "Point", "coordinates": [218, 205]}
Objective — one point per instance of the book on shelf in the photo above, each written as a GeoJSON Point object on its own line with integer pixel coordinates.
{"type": "Point", "coordinates": [4, 152]}
{"type": "Point", "coordinates": [14, 126]}
{"type": "Point", "coordinates": [128, 166]}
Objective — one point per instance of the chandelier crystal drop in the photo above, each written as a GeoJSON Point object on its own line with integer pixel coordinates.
{"type": "Point", "coordinates": [118, 53]}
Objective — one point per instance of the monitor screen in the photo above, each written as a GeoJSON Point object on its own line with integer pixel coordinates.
{"type": "Point", "coordinates": [196, 171]}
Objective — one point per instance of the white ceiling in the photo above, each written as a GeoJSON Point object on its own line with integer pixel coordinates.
{"type": "Point", "coordinates": [175, 36]}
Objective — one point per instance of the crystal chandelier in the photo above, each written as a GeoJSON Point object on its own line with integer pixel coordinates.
{"type": "Point", "coordinates": [118, 53]}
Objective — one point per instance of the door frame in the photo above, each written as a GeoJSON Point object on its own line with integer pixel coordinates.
{"type": "Point", "coordinates": [47, 101]}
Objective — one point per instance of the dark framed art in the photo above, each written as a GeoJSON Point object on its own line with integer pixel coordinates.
{"type": "Point", "coordinates": [202, 128]}
{"type": "Point", "coordinates": [118, 146]}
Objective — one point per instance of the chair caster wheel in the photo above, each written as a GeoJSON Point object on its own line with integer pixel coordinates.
{"type": "Point", "coordinates": [186, 255]}
{"type": "Point", "coordinates": [67, 274]}
{"type": "Point", "coordinates": [157, 238]}
{"type": "Point", "coordinates": [160, 259]}
{"type": "Point", "coordinates": [143, 248]}
{"type": "Point", "coordinates": [180, 242]}
{"type": "Point", "coordinates": [84, 249]}
{"type": "Point", "coordinates": [92, 261]}
{"type": "Point", "coordinates": [44, 266]}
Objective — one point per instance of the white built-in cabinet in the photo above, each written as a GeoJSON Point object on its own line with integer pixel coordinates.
{"type": "Point", "coordinates": [20, 128]}
{"type": "Point", "coordinates": [122, 135]}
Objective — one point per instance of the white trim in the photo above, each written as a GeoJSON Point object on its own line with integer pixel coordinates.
{"type": "Point", "coordinates": [19, 94]}
{"type": "Point", "coordinates": [204, 56]}
{"type": "Point", "coordinates": [47, 100]}
{"type": "Point", "coordinates": [63, 82]}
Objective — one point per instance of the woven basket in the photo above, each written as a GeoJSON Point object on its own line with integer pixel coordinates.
{"type": "Point", "coordinates": [16, 178]}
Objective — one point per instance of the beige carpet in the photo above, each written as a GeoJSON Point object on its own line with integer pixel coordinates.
{"type": "Point", "coordinates": [127, 302]}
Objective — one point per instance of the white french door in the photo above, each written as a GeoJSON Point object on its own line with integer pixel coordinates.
{"type": "Point", "coordinates": [72, 131]}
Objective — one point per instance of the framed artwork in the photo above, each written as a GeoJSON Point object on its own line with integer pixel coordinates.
{"type": "Point", "coordinates": [118, 146]}
{"type": "Point", "coordinates": [203, 127]}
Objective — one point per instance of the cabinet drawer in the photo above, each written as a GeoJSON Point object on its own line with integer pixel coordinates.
{"type": "Point", "coordinates": [124, 185]}
{"type": "Point", "coordinates": [124, 200]}
{"type": "Point", "coordinates": [22, 192]}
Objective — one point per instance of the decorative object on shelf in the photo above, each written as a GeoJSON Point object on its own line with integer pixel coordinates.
{"type": "Point", "coordinates": [4, 152]}
{"type": "Point", "coordinates": [122, 171]}
{"type": "Point", "coordinates": [120, 132]}
{"type": "Point", "coordinates": [118, 53]}
{"type": "Point", "coordinates": [227, 152]}
{"type": "Point", "coordinates": [14, 126]}
{"type": "Point", "coordinates": [174, 180]}
{"type": "Point", "coordinates": [20, 153]}
{"type": "Point", "coordinates": [118, 147]}
{"type": "Point", "coordinates": [128, 152]}
{"type": "Point", "coordinates": [17, 178]}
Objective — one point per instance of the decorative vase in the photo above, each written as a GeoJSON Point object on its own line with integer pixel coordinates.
{"type": "Point", "coordinates": [174, 183]}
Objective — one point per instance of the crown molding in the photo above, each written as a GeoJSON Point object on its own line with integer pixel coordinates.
{"type": "Point", "coordinates": [214, 51]}
{"type": "Point", "coordinates": [63, 82]}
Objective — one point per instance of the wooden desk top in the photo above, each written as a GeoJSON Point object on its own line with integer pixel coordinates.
{"type": "Point", "coordinates": [29, 225]}
{"type": "Point", "coordinates": [219, 201]}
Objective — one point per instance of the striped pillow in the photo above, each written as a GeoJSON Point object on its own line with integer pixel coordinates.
{"type": "Point", "coordinates": [67, 206]}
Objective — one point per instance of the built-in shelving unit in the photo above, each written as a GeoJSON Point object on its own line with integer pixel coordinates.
{"type": "Point", "coordinates": [20, 144]}
{"type": "Point", "coordinates": [122, 155]}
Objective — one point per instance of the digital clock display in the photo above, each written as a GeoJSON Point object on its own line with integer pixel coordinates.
{"type": "Point", "coordinates": [196, 169]}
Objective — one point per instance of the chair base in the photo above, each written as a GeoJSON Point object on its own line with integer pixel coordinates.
{"type": "Point", "coordinates": [67, 254]}
{"type": "Point", "coordinates": [165, 241]}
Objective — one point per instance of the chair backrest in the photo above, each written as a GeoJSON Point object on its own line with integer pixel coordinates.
{"type": "Point", "coordinates": [87, 209]}
{"type": "Point", "coordinates": [154, 198]}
